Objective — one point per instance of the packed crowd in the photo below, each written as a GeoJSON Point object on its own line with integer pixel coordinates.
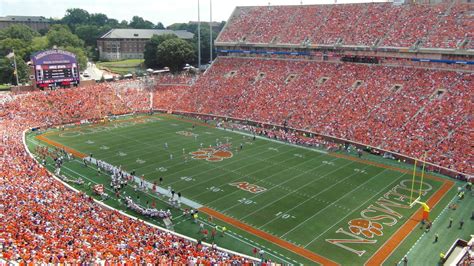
{"type": "Point", "coordinates": [45, 222]}
{"type": "Point", "coordinates": [401, 109]}
{"type": "Point", "coordinates": [184, 78]}
{"type": "Point", "coordinates": [285, 135]}
{"type": "Point", "coordinates": [443, 25]}
{"type": "Point", "coordinates": [167, 97]}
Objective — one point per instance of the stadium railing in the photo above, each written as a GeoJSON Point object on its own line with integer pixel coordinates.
{"type": "Point", "coordinates": [409, 160]}
{"type": "Point", "coordinates": [130, 216]}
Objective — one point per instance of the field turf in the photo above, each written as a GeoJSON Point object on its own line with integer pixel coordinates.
{"type": "Point", "coordinates": [123, 67]}
{"type": "Point", "coordinates": [339, 207]}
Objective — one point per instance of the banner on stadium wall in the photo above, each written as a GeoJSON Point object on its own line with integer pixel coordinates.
{"type": "Point", "coordinates": [262, 52]}
{"type": "Point", "coordinates": [442, 61]}
{"type": "Point", "coordinates": [321, 54]}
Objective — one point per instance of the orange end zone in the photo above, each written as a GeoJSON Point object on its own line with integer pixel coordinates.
{"type": "Point", "coordinates": [397, 238]}
{"type": "Point", "coordinates": [273, 239]}
{"type": "Point", "coordinates": [56, 144]}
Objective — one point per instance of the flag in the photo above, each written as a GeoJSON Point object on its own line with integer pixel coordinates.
{"type": "Point", "coordinates": [10, 55]}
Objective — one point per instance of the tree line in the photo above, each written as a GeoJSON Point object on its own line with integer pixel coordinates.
{"type": "Point", "coordinates": [78, 31]}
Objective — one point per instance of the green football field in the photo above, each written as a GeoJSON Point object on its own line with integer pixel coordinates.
{"type": "Point", "coordinates": [334, 206]}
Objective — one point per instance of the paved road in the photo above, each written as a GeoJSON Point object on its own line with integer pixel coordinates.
{"type": "Point", "coordinates": [94, 72]}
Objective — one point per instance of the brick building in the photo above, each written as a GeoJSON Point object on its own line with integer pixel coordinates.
{"type": "Point", "coordinates": [35, 22]}
{"type": "Point", "coordinates": [119, 44]}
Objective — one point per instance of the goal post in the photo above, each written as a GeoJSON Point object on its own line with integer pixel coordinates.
{"type": "Point", "coordinates": [417, 200]}
{"type": "Point", "coordinates": [419, 192]}
{"type": "Point", "coordinates": [413, 184]}
{"type": "Point", "coordinates": [422, 174]}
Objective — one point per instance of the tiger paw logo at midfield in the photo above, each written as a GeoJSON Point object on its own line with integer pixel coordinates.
{"type": "Point", "coordinates": [186, 133]}
{"type": "Point", "coordinates": [211, 154]}
{"type": "Point", "coordinates": [365, 227]}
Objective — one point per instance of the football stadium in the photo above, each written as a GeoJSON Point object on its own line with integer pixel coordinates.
{"type": "Point", "coordinates": [330, 134]}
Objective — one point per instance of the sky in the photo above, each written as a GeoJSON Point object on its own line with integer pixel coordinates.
{"type": "Point", "coordinates": [164, 11]}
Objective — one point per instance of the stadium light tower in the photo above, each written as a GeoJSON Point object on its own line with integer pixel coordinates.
{"type": "Point", "coordinates": [199, 37]}
{"type": "Point", "coordinates": [210, 31]}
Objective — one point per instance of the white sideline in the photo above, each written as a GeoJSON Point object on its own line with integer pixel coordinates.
{"type": "Point", "coordinates": [159, 189]}
{"type": "Point", "coordinates": [274, 140]}
{"type": "Point", "coordinates": [129, 216]}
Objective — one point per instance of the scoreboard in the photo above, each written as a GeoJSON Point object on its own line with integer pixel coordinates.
{"type": "Point", "coordinates": [57, 72]}
{"type": "Point", "coordinates": [55, 68]}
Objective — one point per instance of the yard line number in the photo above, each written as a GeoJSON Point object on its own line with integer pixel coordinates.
{"type": "Point", "coordinates": [246, 201]}
{"type": "Point", "coordinates": [284, 216]}
{"type": "Point", "coordinates": [214, 189]}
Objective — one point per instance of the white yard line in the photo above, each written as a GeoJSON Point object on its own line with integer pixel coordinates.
{"type": "Point", "coordinates": [137, 180]}
{"type": "Point", "coordinates": [279, 185]}
{"type": "Point", "coordinates": [104, 158]}
{"type": "Point", "coordinates": [355, 209]}
{"type": "Point", "coordinates": [154, 145]}
{"type": "Point", "coordinates": [235, 172]}
{"type": "Point", "coordinates": [111, 131]}
{"type": "Point", "coordinates": [209, 163]}
{"type": "Point", "coordinates": [424, 232]}
{"type": "Point", "coordinates": [160, 190]}
{"type": "Point", "coordinates": [230, 162]}
{"type": "Point", "coordinates": [254, 155]}
{"type": "Point", "coordinates": [154, 151]}
{"type": "Point", "coordinates": [165, 192]}
{"type": "Point", "coordinates": [106, 188]}
{"type": "Point", "coordinates": [275, 140]}
{"type": "Point", "coordinates": [355, 173]}
{"type": "Point", "coordinates": [122, 212]}
{"type": "Point", "coordinates": [311, 197]}
{"type": "Point", "coordinates": [251, 243]}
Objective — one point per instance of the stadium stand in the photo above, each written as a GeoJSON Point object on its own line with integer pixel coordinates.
{"type": "Point", "coordinates": [185, 78]}
{"type": "Point", "coordinates": [167, 97]}
{"type": "Point", "coordinates": [401, 109]}
{"type": "Point", "coordinates": [444, 25]}
{"type": "Point", "coordinates": [405, 109]}
{"type": "Point", "coordinates": [45, 222]}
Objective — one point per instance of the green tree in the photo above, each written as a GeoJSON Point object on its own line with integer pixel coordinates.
{"type": "Point", "coordinates": [20, 47]}
{"type": "Point", "coordinates": [123, 24]}
{"type": "Point", "coordinates": [60, 35]}
{"type": "Point", "coordinates": [113, 23]}
{"type": "Point", "coordinates": [88, 33]}
{"type": "Point", "coordinates": [7, 68]}
{"type": "Point", "coordinates": [178, 26]}
{"type": "Point", "coordinates": [98, 19]}
{"type": "Point", "coordinates": [175, 53]}
{"type": "Point", "coordinates": [23, 71]}
{"type": "Point", "coordinates": [75, 16]}
{"type": "Point", "coordinates": [39, 44]}
{"type": "Point", "coordinates": [140, 23]}
{"type": "Point", "coordinates": [205, 32]}
{"type": "Point", "coordinates": [80, 55]}
{"type": "Point", "coordinates": [18, 31]}
{"type": "Point", "coordinates": [151, 60]}
{"type": "Point", "coordinates": [160, 26]}
{"type": "Point", "coordinates": [43, 31]}
{"type": "Point", "coordinates": [6, 71]}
